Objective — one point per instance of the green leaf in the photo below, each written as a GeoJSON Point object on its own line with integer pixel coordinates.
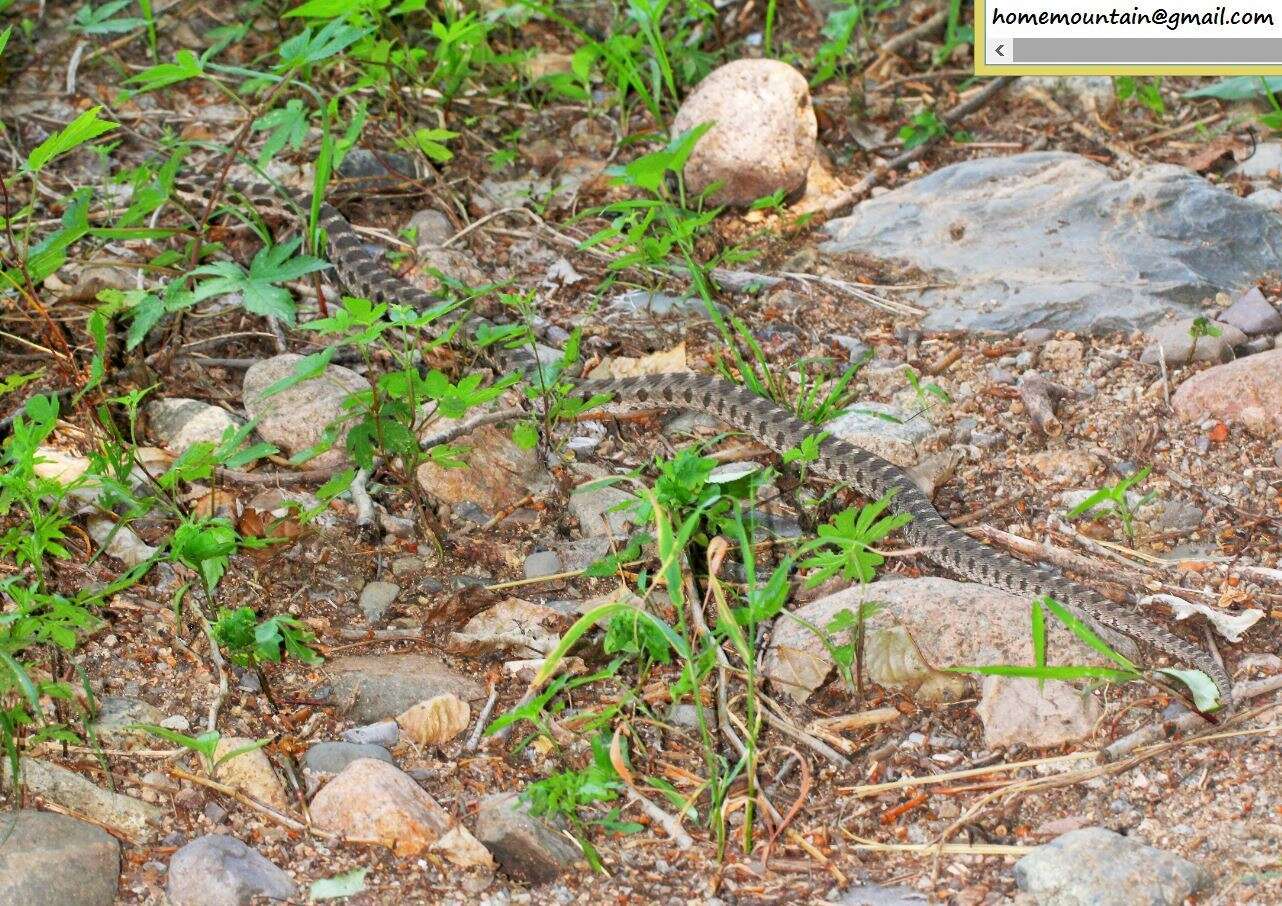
{"type": "Point", "coordinates": [4, 37]}
{"type": "Point", "coordinates": [1067, 674]}
{"type": "Point", "coordinates": [432, 143]}
{"type": "Point", "coordinates": [186, 66]}
{"type": "Point", "coordinates": [305, 369]}
{"type": "Point", "coordinates": [348, 884]}
{"type": "Point", "coordinates": [1238, 88]}
{"type": "Point", "coordinates": [259, 293]}
{"type": "Point", "coordinates": [286, 125]}
{"type": "Point", "coordinates": [1086, 634]}
{"type": "Point", "coordinates": [84, 128]}
{"type": "Point", "coordinates": [1206, 696]}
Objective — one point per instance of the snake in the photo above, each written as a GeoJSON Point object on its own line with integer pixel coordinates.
{"type": "Point", "coordinates": [362, 273]}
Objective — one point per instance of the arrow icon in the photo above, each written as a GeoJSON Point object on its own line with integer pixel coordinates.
{"type": "Point", "coordinates": [999, 50]}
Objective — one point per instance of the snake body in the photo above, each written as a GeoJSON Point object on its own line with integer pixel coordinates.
{"type": "Point", "coordinates": [363, 274]}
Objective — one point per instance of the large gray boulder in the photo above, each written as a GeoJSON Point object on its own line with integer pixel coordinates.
{"type": "Point", "coordinates": [1051, 239]}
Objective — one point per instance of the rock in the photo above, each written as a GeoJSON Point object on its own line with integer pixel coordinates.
{"type": "Point", "coordinates": [541, 563]}
{"type": "Point", "coordinates": [1265, 163]}
{"type": "Point", "coordinates": [334, 757]}
{"type": "Point", "coordinates": [51, 858]}
{"type": "Point", "coordinates": [600, 510]}
{"type": "Point", "coordinates": [178, 423]}
{"type": "Point", "coordinates": [385, 733]}
{"type": "Point", "coordinates": [378, 687]}
{"type": "Point", "coordinates": [1015, 711]}
{"type": "Point", "coordinates": [218, 870]}
{"type": "Point", "coordinates": [513, 627]}
{"type": "Point", "coordinates": [117, 713]}
{"type": "Point", "coordinates": [878, 895]}
{"type": "Point", "coordinates": [583, 552]}
{"type": "Point", "coordinates": [376, 597]}
{"type": "Point", "coordinates": [58, 786]}
{"type": "Point", "coordinates": [1065, 465]}
{"type": "Point", "coordinates": [431, 228]}
{"type": "Point", "coordinates": [436, 721]}
{"type": "Point", "coordinates": [1245, 392]}
{"type": "Point", "coordinates": [375, 802]}
{"type": "Point", "coordinates": [1062, 355]}
{"type": "Point", "coordinates": [1253, 314]}
{"type": "Point", "coordinates": [1178, 516]}
{"type": "Point", "coordinates": [94, 278]}
{"type": "Point", "coordinates": [763, 139]}
{"type": "Point", "coordinates": [455, 264]}
{"type": "Point", "coordinates": [1176, 343]}
{"type": "Point", "coordinates": [1268, 199]}
{"type": "Point", "coordinates": [896, 437]}
{"type": "Point", "coordinates": [923, 626]}
{"type": "Point", "coordinates": [641, 301]}
{"type": "Point", "coordinates": [498, 475]}
{"type": "Point", "coordinates": [528, 848]}
{"type": "Point", "coordinates": [1098, 867]}
{"type": "Point", "coordinates": [295, 419]}
{"type": "Point", "coordinates": [250, 772]}
{"type": "Point", "coordinates": [545, 63]}
{"type": "Point", "coordinates": [960, 223]}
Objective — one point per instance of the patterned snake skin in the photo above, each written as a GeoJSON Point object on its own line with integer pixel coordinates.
{"type": "Point", "coordinates": [365, 275]}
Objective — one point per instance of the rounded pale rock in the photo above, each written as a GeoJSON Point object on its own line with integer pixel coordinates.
{"type": "Point", "coordinates": [296, 418]}
{"type": "Point", "coordinates": [763, 139]}
{"type": "Point", "coordinates": [375, 802]}
{"type": "Point", "coordinates": [250, 772]}
{"type": "Point", "coordinates": [1243, 392]}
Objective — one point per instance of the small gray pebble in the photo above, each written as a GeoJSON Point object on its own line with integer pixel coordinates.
{"type": "Point", "coordinates": [541, 563]}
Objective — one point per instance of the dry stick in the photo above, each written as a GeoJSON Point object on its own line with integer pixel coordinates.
{"type": "Point", "coordinates": [1039, 397]}
{"type": "Point", "coordinates": [303, 476]}
{"type": "Point", "coordinates": [904, 38]}
{"type": "Point", "coordinates": [852, 194]}
{"type": "Point", "coordinates": [250, 802]}
{"type": "Point", "coordinates": [1191, 720]}
{"type": "Point", "coordinates": [1098, 770]}
{"type": "Point", "coordinates": [799, 735]}
{"type": "Point", "coordinates": [482, 719]}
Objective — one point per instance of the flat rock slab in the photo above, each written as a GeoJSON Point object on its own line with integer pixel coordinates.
{"type": "Point", "coordinates": [51, 858]}
{"type": "Point", "coordinates": [1051, 239]}
{"type": "Point", "coordinates": [378, 687]}
{"type": "Point", "coordinates": [1098, 867]}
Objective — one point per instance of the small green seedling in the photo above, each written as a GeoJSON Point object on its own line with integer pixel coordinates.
{"type": "Point", "coordinates": [1116, 496]}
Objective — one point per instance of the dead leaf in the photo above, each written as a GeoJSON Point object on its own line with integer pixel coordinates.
{"type": "Point", "coordinates": [435, 721]}
{"type": "Point", "coordinates": [1216, 152]}
{"type": "Point", "coordinates": [664, 362]}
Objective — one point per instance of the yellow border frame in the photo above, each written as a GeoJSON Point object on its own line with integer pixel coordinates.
{"type": "Point", "coordinates": [982, 68]}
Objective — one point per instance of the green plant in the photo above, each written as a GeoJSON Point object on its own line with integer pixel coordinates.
{"type": "Point", "coordinates": [1117, 497]}
{"type": "Point", "coordinates": [925, 126]}
{"type": "Point", "coordinates": [811, 387]}
{"type": "Point", "coordinates": [651, 230]}
{"type": "Point", "coordinates": [955, 33]}
{"type": "Point", "coordinates": [205, 744]}
{"type": "Point", "coordinates": [1145, 92]}
{"type": "Point", "coordinates": [845, 544]}
{"type": "Point", "coordinates": [568, 793]}
{"type": "Point", "coordinates": [1200, 686]}
{"type": "Point", "coordinates": [1202, 326]}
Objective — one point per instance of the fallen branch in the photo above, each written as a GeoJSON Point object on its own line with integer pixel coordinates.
{"type": "Point", "coordinates": [1040, 397]}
